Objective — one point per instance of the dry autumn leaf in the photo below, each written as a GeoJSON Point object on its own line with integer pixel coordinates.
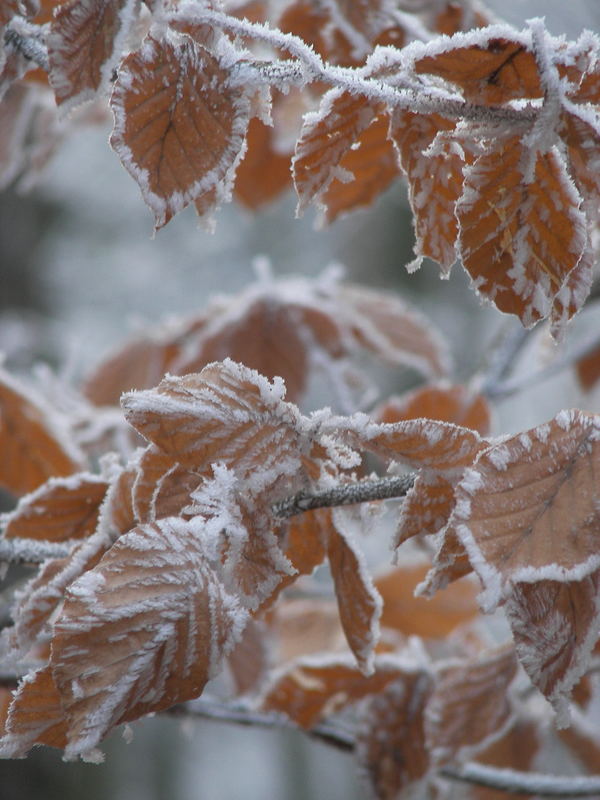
{"type": "Point", "coordinates": [84, 46]}
{"type": "Point", "coordinates": [60, 509]}
{"type": "Point", "coordinates": [34, 448]}
{"type": "Point", "coordinates": [520, 237]}
{"type": "Point", "coordinates": [143, 630]}
{"type": "Point", "coordinates": [180, 125]}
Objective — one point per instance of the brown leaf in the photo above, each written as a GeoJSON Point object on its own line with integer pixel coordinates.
{"type": "Point", "coordinates": [528, 509]}
{"type": "Point", "coordinates": [411, 615]}
{"type": "Point", "coordinates": [584, 742]}
{"type": "Point", "coordinates": [61, 509]}
{"type": "Point", "coordinates": [426, 507]}
{"type": "Point", "coordinates": [450, 563]}
{"type": "Point", "coordinates": [435, 182]}
{"type": "Point", "coordinates": [494, 73]}
{"type": "Point", "coordinates": [371, 166]}
{"type": "Point", "coordinates": [418, 443]}
{"type": "Point", "coordinates": [310, 689]}
{"type": "Point", "coordinates": [302, 627]}
{"type": "Point", "coordinates": [37, 601]}
{"type": "Point", "coordinates": [249, 660]}
{"type": "Point", "coordinates": [455, 17]}
{"type": "Point", "coordinates": [358, 600]}
{"type": "Point", "coordinates": [33, 447]}
{"type": "Point", "coordinates": [392, 330]}
{"type": "Point", "coordinates": [179, 123]}
{"type": "Point", "coordinates": [469, 704]}
{"type": "Point", "coordinates": [516, 749]}
{"type": "Point", "coordinates": [225, 413]}
{"type": "Point", "coordinates": [264, 173]}
{"type": "Point", "coordinates": [457, 404]}
{"type": "Point", "coordinates": [519, 237]}
{"type": "Point", "coordinates": [84, 46]}
{"type": "Point", "coordinates": [117, 512]}
{"type": "Point", "coordinates": [35, 716]}
{"type": "Point", "coordinates": [588, 369]}
{"type": "Point", "coordinates": [142, 631]}
{"type": "Point", "coordinates": [162, 487]}
{"type": "Point", "coordinates": [326, 137]}
{"type": "Point", "coordinates": [555, 625]}
{"type": "Point", "coordinates": [390, 744]}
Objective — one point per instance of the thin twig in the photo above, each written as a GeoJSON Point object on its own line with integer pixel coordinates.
{"type": "Point", "coordinates": [526, 783]}
{"type": "Point", "coordinates": [333, 736]}
{"type": "Point", "coordinates": [345, 494]}
{"type": "Point", "coordinates": [27, 39]}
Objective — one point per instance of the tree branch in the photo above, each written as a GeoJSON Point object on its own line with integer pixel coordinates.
{"type": "Point", "coordinates": [28, 40]}
{"type": "Point", "coordinates": [504, 780]}
{"type": "Point", "coordinates": [345, 494]}
{"type": "Point", "coordinates": [526, 783]}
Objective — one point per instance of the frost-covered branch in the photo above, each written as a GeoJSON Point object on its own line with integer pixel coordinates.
{"type": "Point", "coordinates": [405, 93]}
{"type": "Point", "coordinates": [505, 780]}
{"type": "Point", "coordinates": [345, 495]}
{"type": "Point", "coordinates": [210, 709]}
{"type": "Point", "coordinates": [26, 38]}
{"type": "Point", "coordinates": [31, 551]}
{"type": "Point", "coordinates": [526, 783]}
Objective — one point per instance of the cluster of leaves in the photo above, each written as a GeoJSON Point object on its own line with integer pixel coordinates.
{"type": "Point", "coordinates": [178, 542]}
{"type": "Point", "coordinates": [496, 130]}
{"type": "Point", "coordinates": [178, 559]}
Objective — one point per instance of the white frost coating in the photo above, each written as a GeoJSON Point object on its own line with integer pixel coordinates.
{"type": "Point", "coordinates": [471, 481]}
{"type": "Point", "coordinates": [566, 418]}
{"type": "Point", "coordinates": [500, 456]}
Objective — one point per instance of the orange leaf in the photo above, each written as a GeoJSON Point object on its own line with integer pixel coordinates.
{"type": "Point", "coordinates": [142, 631]}
{"type": "Point", "coordinates": [33, 448]}
{"type": "Point", "coordinates": [494, 73]}
{"type": "Point", "coordinates": [310, 688]}
{"type": "Point", "coordinates": [456, 404]}
{"type": "Point", "coordinates": [588, 369]}
{"type": "Point", "coordinates": [326, 137]}
{"type": "Point", "coordinates": [528, 509]}
{"type": "Point", "coordinates": [179, 123]}
{"type": "Point", "coordinates": [303, 627]}
{"type": "Point", "coordinates": [35, 716]}
{"type": "Point", "coordinates": [38, 600]}
{"type": "Point", "coordinates": [225, 413]}
{"type": "Point", "coordinates": [434, 180]}
{"type": "Point", "coordinates": [162, 487]}
{"type": "Point", "coordinates": [390, 744]}
{"type": "Point", "coordinates": [371, 166]}
{"type": "Point", "coordinates": [264, 173]}
{"type": "Point", "coordinates": [426, 507]}
{"type": "Point", "coordinates": [520, 238]}
{"type": "Point", "coordinates": [455, 17]}
{"type": "Point", "coordinates": [555, 625]}
{"type": "Point", "coordinates": [392, 330]}
{"type": "Point", "coordinates": [84, 46]}
{"type": "Point", "coordinates": [358, 600]}
{"type": "Point", "coordinates": [516, 749]}
{"type": "Point", "coordinates": [469, 703]}
{"type": "Point", "coordinates": [249, 660]}
{"type": "Point", "coordinates": [61, 509]}
{"type": "Point", "coordinates": [411, 615]}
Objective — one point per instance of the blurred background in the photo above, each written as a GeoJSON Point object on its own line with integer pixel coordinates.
{"type": "Point", "coordinates": [80, 271]}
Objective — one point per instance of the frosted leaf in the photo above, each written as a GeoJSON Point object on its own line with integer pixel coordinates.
{"type": "Point", "coordinates": [180, 125]}
{"type": "Point", "coordinates": [33, 445]}
{"type": "Point", "coordinates": [429, 618]}
{"type": "Point", "coordinates": [417, 443]}
{"type": "Point", "coordinates": [38, 600]}
{"type": "Point", "coordinates": [520, 236]}
{"type": "Point", "coordinates": [426, 507]}
{"type": "Point", "coordinates": [359, 602]}
{"type": "Point", "coordinates": [249, 660]}
{"type": "Point", "coordinates": [488, 68]}
{"type": "Point", "coordinates": [302, 626]}
{"type": "Point", "coordinates": [162, 487]}
{"type": "Point", "coordinates": [60, 509]}
{"type": "Point", "coordinates": [85, 44]}
{"type": "Point", "coordinates": [225, 413]}
{"type": "Point", "coordinates": [528, 509]}
{"type": "Point", "coordinates": [515, 749]}
{"type": "Point", "coordinates": [454, 18]}
{"type": "Point", "coordinates": [442, 401]}
{"type": "Point", "coordinates": [390, 744]}
{"type": "Point", "coordinates": [265, 172]}
{"type": "Point", "coordinates": [434, 180]}
{"type": "Point", "coordinates": [394, 331]}
{"type": "Point", "coordinates": [555, 625]}
{"type": "Point", "coordinates": [450, 563]}
{"type": "Point", "coordinates": [469, 703]}
{"type": "Point", "coordinates": [144, 630]}
{"type": "Point", "coordinates": [35, 716]}
{"type": "Point", "coordinates": [588, 369]}
{"type": "Point", "coordinates": [312, 688]}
